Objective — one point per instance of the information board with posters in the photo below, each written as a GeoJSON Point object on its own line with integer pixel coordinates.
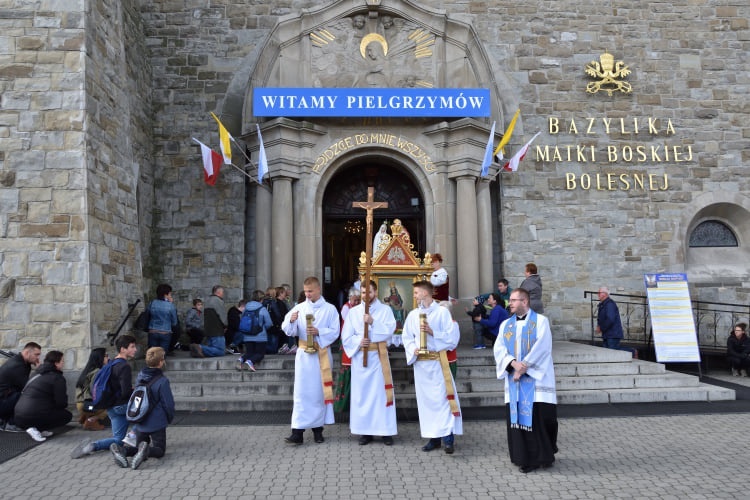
{"type": "Point", "coordinates": [672, 323]}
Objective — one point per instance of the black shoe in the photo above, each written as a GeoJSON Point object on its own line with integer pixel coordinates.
{"type": "Point", "coordinates": [318, 434]}
{"type": "Point", "coordinates": [449, 449]}
{"type": "Point", "coordinates": [118, 452]}
{"type": "Point", "coordinates": [295, 438]}
{"type": "Point", "coordinates": [528, 468]}
{"type": "Point", "coordinates": [431, 445]}
{"type": "Point", "coordinates": [388, 440]}
{"type": "Point", "coordinates": [140, 456]}
{"type": "Point", "coordinates": [363, 440]}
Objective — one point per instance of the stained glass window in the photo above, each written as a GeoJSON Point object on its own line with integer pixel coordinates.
{"type": "Point", "coordinates": [712, 233]}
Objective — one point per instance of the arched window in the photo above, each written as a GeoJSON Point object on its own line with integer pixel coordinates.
{"type": "Point", "coordinates": [712, 233]}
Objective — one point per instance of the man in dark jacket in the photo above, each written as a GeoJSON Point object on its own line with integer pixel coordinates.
{"type": "Point", "coordinates": [44, 401]}
{"type": "Point", "coordinates": [121, 383]}
{"type": "Point", "coordinates": [608, 322]}
{"type": "Point", "coordinates": [215, 325]}
{"type": "Point", "coordinates": [13, 377]}
{"type": "Point", "coordinates": [232, 337]}
{"type": "Point", "coordinates": [151, 432]}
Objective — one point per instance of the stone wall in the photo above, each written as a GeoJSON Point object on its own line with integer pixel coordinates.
{"type": "Point", "coordinates": [119, 165]}
{"type": "Point", "coordinates": [73, 128]}
{"type": "Point", "coordinates": [101, 189]}
{"type": "Point", "coordinates": [688, 65]}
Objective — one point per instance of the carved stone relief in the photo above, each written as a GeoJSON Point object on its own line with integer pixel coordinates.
{"type": "Point", "coordinates": [384, 51]}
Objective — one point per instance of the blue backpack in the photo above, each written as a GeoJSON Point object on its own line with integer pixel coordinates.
{"type": "Point", "coordinates": [141, 401]}
{"type": "Point", "coordinates": [250, 322]}
{"type": "Point", "coordinates": [102, 395]}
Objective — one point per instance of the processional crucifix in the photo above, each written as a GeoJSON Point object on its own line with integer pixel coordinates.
{"type": "Point", "coordinates": [368, 205]}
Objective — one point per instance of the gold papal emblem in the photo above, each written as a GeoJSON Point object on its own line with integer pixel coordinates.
{"type": "Point", "coordinates": [609, 74]}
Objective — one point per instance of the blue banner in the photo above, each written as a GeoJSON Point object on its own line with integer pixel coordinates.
{"type": "Point", "coordinates": [376, 102]}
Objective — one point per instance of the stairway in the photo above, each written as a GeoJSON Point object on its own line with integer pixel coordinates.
{"type": "Point", "coordinates": [585, 375]}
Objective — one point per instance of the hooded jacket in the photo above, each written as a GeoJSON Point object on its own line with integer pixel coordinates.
{"type": "Point", "coordinates": [45, 391]}
{"type": "Point", "coordinates": [162, 413]}
{"type": "Point", "coordinates": [533, 285]}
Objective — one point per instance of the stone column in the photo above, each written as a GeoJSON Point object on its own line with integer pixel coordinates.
{"type": "Point", "coordinates": [467, 255]}
{"type": "Point", "coordinates": [263, 256]}
{"type": "Point", "coordinates": [282, 232]}
{"type": "Point", "coordinates": [307, 229]}
{"type": "Point", "coordinates": [484, 245]}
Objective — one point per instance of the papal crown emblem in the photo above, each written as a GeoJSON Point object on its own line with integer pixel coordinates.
{"type": "Point", "coordinates": [609, 74]}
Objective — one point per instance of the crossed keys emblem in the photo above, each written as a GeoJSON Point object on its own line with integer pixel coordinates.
{"type": "Point", "coordinates": [609, 74]}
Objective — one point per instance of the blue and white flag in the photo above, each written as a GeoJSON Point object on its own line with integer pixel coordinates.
{"type": "Point", "coordinates": [488, 153]}
{"type": "Point", "coordinates": [262, 161]}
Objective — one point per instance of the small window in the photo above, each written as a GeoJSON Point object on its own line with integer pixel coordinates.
{"type": "Point", "coordinates": [712, 233]}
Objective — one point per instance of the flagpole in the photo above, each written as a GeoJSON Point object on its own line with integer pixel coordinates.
{"type": "Point", "coordinates": [250, 161]}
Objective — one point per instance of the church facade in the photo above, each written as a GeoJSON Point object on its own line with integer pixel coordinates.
{"type": "Point", "coordinates": [637, 112]}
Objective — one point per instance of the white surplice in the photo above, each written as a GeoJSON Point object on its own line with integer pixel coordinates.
{"type": "Point", "coordinates": [435, 417]}
{"type": "Point", "coordinates": [369, 414]}
{"type": "Point", "coordinates": [538, 359]}
{"type": "Point", "coordinates": [310, 409]}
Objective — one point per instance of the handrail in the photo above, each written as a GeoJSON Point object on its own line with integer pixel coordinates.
{"type": "Point", "coordinates": [711, 318]}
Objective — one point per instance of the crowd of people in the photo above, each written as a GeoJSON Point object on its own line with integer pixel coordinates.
{"type": "Point", "coordinates": [38, 403]}
{"type": "Point", "coordinates": [267, 323]}
{"type": "Point", "coordinates": [510, 319]}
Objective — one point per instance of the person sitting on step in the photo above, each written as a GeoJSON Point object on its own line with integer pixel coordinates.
{"type": "Point", "coordinates": [738, 350]}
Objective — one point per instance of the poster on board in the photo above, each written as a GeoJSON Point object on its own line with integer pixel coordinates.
{"type": "Point", "coordinates": [675, 338]}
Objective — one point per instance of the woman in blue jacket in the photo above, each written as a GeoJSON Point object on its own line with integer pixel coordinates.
{"type": "Point", "coordinates": [163, 318]}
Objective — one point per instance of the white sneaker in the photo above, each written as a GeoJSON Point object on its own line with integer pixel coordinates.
{"type": "Point", "coordinates": [47, 433]}
{"type": "Point", "coordinates": [250, 365]}
{"type": "Point", "coordinates": [85, 447]}
{"type": "Point", "coordinates": [12, 428]}
{"type": "Point", "coordinates": [35, 434]}
{"type": "Point", "coordinates": [129, 439]}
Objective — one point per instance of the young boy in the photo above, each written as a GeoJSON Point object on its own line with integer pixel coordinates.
{"type": "Point", "coordinates": [151, 433]}
{"type": "Point", "coordinates": [120, 379]}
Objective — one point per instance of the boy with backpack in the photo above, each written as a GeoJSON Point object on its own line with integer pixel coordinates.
{"type": "Point", "coordinates": [111, 390]}
{"type": "Point", "coordinates": [254, 324]}
{"type": "Point", "coordinates": [152, 409]}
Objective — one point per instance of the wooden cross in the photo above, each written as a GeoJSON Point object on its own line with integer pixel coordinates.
{"type": "Point", "coordinates": [368, 205]}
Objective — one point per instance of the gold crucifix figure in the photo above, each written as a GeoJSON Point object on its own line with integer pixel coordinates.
{"type": "Point", "coordinates": [368, 205]}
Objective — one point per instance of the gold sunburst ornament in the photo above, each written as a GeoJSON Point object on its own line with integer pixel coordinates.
{"type": "Point", "coordinates": [609, 74]}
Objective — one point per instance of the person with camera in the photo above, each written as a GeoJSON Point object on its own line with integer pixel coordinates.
{"type": "Point", "coordinates": [486, 326]}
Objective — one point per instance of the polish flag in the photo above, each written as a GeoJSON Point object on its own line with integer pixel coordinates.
{"type": "Point", "coordinates": [211, 163]}
{"type": "Point", "coordinates": [512, 165]}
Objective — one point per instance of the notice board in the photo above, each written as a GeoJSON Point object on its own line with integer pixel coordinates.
{"type": "Point", "coordinates": [672, 323]}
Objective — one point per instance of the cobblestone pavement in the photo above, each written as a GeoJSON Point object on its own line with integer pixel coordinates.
{"type": "Point", "coordinates": [665, 457]}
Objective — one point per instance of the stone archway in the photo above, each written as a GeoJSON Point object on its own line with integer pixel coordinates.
{"type": "Point", "coordinates": [329, 48]}
{"type": "Point", "coordinates": [343, 226]}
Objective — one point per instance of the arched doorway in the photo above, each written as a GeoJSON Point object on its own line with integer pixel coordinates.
{"type": "Point", "coordinates": [344, 228]}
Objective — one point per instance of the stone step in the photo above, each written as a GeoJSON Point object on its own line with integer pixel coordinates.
{"type": "Point", "coordinates": [280, 382]}
{"type": "Point", "coordinates": [585, 375]}
{"type": "Point", "coordinates": [702, 392]}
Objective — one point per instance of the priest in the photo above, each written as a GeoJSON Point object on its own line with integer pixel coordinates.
{"type": "Point", "coordinates": [373, 407]}
{"type": "Point", "coordinates": [316, 323]}
{"type": "Point", "coordinates": [523, 358]}
{"type": "Point", "coordinates": [427, 341]}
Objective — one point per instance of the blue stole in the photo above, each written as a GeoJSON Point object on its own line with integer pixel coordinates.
{"type": "Point", "coordinates": [521, 393]}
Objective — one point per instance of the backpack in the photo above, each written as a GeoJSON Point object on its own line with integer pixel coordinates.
{"type": "Point", "coordinates": [141, 323]}
{"type": "Point", "coordinates": [102, 395]}
{"type": "Point", "coordinates": [141, 401]}
{"type": "Point", "coordinates": [250, 322]}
